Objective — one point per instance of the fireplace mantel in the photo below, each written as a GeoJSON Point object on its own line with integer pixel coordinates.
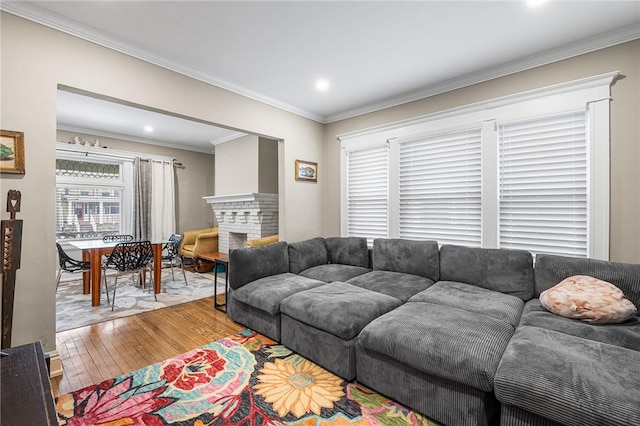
{"type": "Point", "coordinates": [243, 217]}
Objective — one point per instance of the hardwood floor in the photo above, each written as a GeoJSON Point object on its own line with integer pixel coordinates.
{"type": "Point", "coordinates": [101, 351]}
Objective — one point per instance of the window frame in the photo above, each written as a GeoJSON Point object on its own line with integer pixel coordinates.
{"type": "Point", "coordinates": [591, 94]}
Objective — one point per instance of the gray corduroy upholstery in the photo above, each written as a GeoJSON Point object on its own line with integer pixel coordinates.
{"type": "Point", "coordinates": [323, 323]}
{"type": "Point", "coordinates": [348, 251]}
{"type": "Point", "coordinates": [570, 380]}
{"type": "Point", "coordinates": [551, 269]}
{"type": "Point", "coordinates": [306, 254]}
{"type": "Point", "coordinates": [333, 272]}
{"type": "Point", "coordinates": [625, 335]}
{"type": "Point", "coordinates": [506, 271]}
{"type": "Point", "coordinates": [445, 401]}
{"type": "Point", "coordinates": [474, 299]}
{"type": "Point", "coordinates": [446, 342]}
{"type": "Point", "coordinates": [338, 308]}
{"type": "Point", "coordinates": [514, 416]}
{"type": "Point", "coordinates": [410, 257]}
{"type": "Point", "coordinates": [267, 293]}
{"type": "Point", "coordinates": [251, 263]}
{"type": "Point", "coordinates": [254, 318]}
{"type": "Point", "coordinates": [394, 284]}
{"type": "Point", "coordinates": [325, 349]}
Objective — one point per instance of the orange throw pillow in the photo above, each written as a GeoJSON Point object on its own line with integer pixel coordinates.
{"type": "Point", "coordinates": [588, 299]}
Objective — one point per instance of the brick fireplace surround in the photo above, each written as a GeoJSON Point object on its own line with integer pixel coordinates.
{"type": "Point", "coordinates": [243, 217]}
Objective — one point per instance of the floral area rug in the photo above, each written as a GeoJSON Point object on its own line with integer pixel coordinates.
{"type": "Point", "coordinates": [73, 309]}
{"type": "Point", "coordinates": [245, 379]}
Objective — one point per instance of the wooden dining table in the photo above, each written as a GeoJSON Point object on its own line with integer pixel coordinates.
{"type": "Point", "coordinates": [93, 250]}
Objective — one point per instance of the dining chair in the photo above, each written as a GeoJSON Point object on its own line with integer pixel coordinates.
{"type": "Point", "coordinates": [68, 264]}
{"type": "Point", "coordinates": [171, 254]}
{"type": "Point", "coordinates": [133, 256]}
{"type": "Point", "coordinates": [117, 238]}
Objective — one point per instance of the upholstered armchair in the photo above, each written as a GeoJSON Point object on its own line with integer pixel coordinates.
{"type": "Point", "coordinates": [199, 241]}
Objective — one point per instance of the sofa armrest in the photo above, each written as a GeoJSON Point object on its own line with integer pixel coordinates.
{"type": "Point", "coordinates": [206, 243]}
{"type": "Point", "coordinates": [248, 264]}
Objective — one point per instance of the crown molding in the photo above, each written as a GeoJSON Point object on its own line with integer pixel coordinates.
{"type": "Point", "coordinates": [42, 16]}
{"type": "Point", "coordinates": [130, 138]}
{"type": "Point", "coordinates": [228, 138]}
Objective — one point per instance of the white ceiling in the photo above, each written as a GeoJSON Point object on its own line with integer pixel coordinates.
{"type": "Point", "coordinates": [85, 114]}
{"type": "Point", "coordinates": [375, 54]}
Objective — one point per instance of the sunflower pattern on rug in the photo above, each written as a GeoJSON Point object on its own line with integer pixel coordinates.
{"type": "Point", "coordinates": [243, 379]}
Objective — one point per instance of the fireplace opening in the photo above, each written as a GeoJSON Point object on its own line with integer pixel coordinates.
{"type": "Point", "coordinates": [237, 240]}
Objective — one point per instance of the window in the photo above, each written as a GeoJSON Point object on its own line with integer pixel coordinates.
{"type": "Point", "coordinates": [528, 171]}
{"type": "Point", "coordinates": [88, 199]}
{"type": "Point", "coordinates": [440, 188]}
{"type": "Point", "coordinates": [368, 199]}
{"type": "Point", "coordinates": [543, 184]}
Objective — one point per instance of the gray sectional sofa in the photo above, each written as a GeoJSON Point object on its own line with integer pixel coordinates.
{"type": "Point", "coordinates": [456, 333]}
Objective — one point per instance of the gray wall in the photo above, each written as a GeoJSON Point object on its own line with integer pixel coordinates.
{"type": "Point", "coordinates": [247, 165]}
{"type": "Point", "coordinates": [192, 181]}
{"type": "Point", "coordinates": [237, 166]}
{"type": "Point", "coordinates": [267, 166]}
{"type": "Point", "coordinates": [625, 133]}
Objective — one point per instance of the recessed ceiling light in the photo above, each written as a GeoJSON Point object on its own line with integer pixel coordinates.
{"type": "Point", "coordinates": [148, 129]}
{"type": "Point", "coordinates": [322, 85]}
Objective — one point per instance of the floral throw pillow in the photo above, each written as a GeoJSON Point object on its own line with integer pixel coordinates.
{"type": "Point", "coordinates": [588, 299]}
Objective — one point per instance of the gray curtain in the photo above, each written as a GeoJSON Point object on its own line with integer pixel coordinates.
{"type": "Point", "coordinates": [141, 199]}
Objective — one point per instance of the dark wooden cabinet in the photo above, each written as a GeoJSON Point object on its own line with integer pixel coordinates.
{"type": "Point", "coordinates": [25, 390]}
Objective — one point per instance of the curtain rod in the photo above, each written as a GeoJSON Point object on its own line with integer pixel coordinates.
{"type": "Point", "coordinates": [111, 153]}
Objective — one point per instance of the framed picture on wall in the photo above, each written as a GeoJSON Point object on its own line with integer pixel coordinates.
{"type": "Point", "coordinates": [11, 152]}
{"type": "Point", "coordinates": [306, 171]}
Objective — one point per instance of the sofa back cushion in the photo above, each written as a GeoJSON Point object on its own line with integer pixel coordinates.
{"type": "Point", "coordinates": [506, 271]}
{"type": "Point", "coordinates": [348, 251]}
{"type": "Point", "coordinates": [306, 254]}
{"type": "Point", "coordinates": [409, 257]}
{"type": "Point", "coordinates": [248, 264]}
{"type": "Point", "coordinates": [551, 269]}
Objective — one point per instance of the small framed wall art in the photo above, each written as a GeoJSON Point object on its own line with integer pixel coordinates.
{"type": "Point", "coordinates": [11, 152]}
{"type": "Point", "coordinates": [306, 171]}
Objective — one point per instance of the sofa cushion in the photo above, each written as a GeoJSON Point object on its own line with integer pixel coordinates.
{"type": "Point", "coordinates": [267, 293]}
{"type": "Point", "coordinates": [394, 284]}
{"type": "Point", "coordinates": [588, 299]}
{"type": "Point", "coordinates": [506, 271]}
{"type": "Point", "coordinates": [410, 257]}
{"type": "Point", "coordinates": [331, 272]}
{"type": "Point", "coordinates": [306, 254]}
{"type": "Point", "coordinates": [551, 269]}
{"type": "Point", "coordinates": [625, 335]}
{"type": "Point", "coordinates": [338, 308]}
{"type": "Point", "coordinates": [446, 342]}
{"type": "Point", "coordinates": [348, 251]}
{"type": "Point", "coordinates": [247, 264]}
{"type": "Point", "coordinates": [570, 380]}
{"type": "Point", "coordinates": [475, 299]}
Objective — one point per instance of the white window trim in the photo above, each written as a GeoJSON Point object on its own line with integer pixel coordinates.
{"type": "Point", "coordinates": [113, 156]}
{"type": "Point", "coordinates": [591, 93]}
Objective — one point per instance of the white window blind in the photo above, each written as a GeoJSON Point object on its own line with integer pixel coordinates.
{"type": "Point", "coordinates": [368, 193]}
{"type": "Point", "coordinates": [543, 185]}
{"type": "Point", "coordinates": [440, 188]}
{"type": "Point", "coordinates": [87, 212]}
{"type": "Point", "coordinates": [88, 199]}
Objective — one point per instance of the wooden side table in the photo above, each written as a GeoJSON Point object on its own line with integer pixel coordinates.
{"type": "Point", "coordinates": [25, 390]}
